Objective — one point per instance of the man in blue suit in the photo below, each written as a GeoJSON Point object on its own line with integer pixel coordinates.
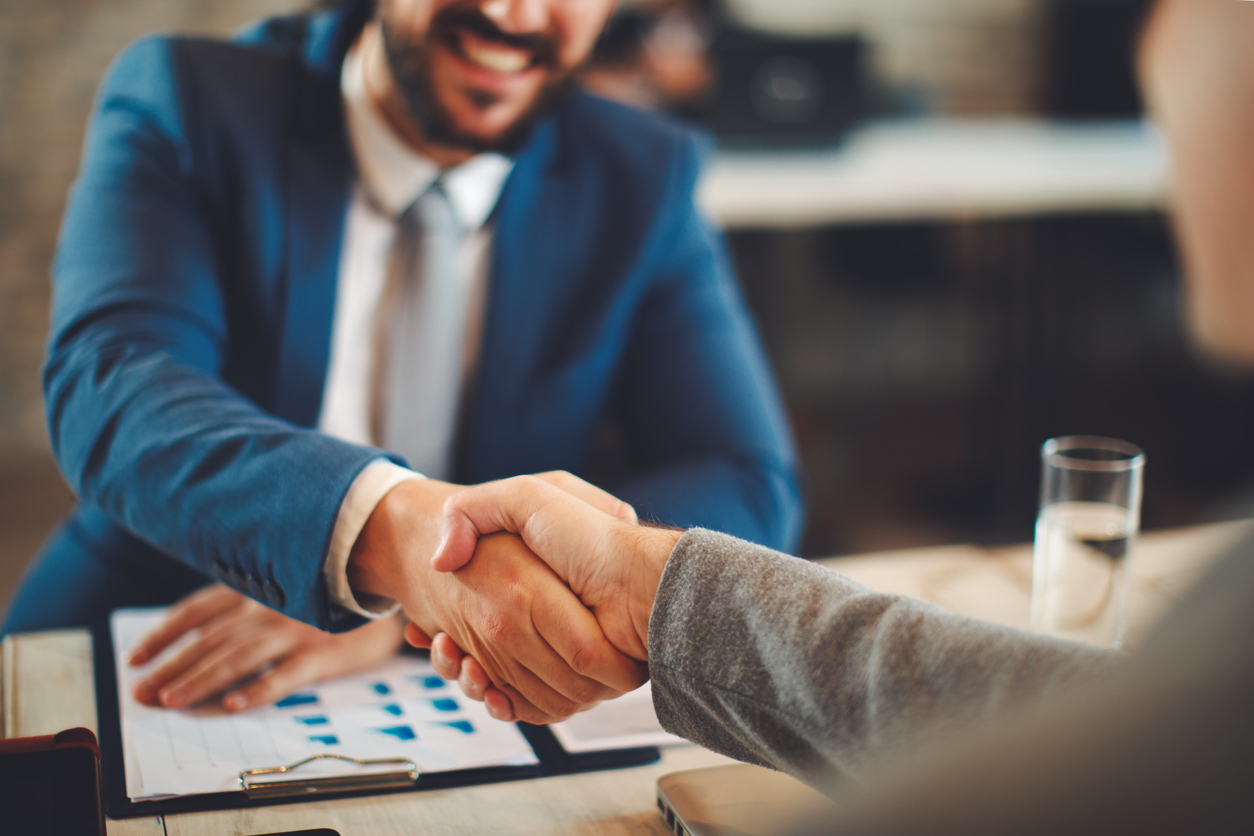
{"type": "Point", "coordinates": [344, 243]}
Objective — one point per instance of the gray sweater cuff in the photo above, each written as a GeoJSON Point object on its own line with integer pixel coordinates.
{"type": "Point", "coordinates": [775, 660]}
{"type": "Point", "coordinates": [712, 623]}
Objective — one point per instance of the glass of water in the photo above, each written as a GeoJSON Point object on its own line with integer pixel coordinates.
{"type": "Point", "coordinates": [1089, 517]}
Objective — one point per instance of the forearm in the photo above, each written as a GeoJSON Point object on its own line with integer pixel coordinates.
{"type": "Point", "coordinates": [181, 460]}
{"type": "Point", "coordinates": [774, 660]}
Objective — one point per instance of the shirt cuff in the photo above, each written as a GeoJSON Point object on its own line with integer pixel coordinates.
{"type": "Point", "coordinates": [367, 490]}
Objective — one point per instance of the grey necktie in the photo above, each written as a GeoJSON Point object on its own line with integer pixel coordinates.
{"type": "Point", "coordinates": [423, 316]}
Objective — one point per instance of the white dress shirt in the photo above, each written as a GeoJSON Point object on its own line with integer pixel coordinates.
{"type": "Point", "coordinates": [391, 177]}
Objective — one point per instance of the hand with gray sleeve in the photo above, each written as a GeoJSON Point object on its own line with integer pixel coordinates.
{"type": "Point", "coordinates": [764, 657]}
{"type": "Point", "coordinates": [916, 719]}
{"type": "Point", "coordinates": [950, 725]}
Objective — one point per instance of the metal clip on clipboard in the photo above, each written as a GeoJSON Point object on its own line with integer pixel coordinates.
{"type": "Point", "coordinates": [405, 777]}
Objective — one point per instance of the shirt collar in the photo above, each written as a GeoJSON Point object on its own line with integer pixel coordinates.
{"type": "Point", "coordinates": [394, 175]}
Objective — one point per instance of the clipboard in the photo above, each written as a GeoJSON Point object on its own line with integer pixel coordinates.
{"type": "Point", "coordinates": [258, 790]}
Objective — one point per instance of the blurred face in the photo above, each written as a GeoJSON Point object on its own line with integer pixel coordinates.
{"type": "Point", "coordinates": [474, 74]}
{"type": "Point", "coordinates": [1197, 68]}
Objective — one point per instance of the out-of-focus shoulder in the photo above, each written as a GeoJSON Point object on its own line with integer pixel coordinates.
{"type": "Point", "coordinates": [643, 140]}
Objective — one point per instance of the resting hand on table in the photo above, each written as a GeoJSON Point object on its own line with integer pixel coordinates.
{"type": "Point", "coordinates": [258, 654]}
{"type": "Point", "coordinates": [534, 641]}
{"type": "Point", "coordinates": [613, 565]}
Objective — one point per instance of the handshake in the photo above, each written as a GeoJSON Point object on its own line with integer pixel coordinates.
{"type": "Point", "coordinates": [534, 593]}
{"type": "Point", "coordinates": [591, 633]}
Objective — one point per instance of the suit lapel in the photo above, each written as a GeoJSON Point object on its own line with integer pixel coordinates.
{"type": "Point", "coordinates": [530, 260]}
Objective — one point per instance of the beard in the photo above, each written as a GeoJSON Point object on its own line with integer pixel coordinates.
{"type": "Point", "coordinates": [409, 63]}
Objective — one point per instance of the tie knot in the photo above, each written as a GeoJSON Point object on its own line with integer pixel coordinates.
{"type": "Point", "coordinates": [433, 212]}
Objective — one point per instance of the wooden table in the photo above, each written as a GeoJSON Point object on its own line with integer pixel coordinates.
{"type": "Point", "coordinates": [46, 685]}
{"type": "Point", "coordinates": [996, 583]}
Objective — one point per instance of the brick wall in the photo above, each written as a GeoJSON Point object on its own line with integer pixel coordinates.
{"type": "Point", "coordinates": [52, 54]}
{"type": "Point", "coordinates": [951, 56]}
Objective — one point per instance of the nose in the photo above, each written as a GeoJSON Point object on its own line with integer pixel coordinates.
{"type": "Point", "coordinates": [518, 17]}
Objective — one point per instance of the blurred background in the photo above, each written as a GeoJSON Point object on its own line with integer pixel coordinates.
{"type": "Point", "coordinates": [946, 214]}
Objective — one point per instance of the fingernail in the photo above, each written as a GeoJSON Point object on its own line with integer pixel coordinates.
{"type": "Point", "coordinates": [235, 702]}
{"type": "Point", "coordinates": [136, 658]}
{"type": "Point", "coordinates": [173, 697]}
{"type": "Point", "coordinates": [145, 691]}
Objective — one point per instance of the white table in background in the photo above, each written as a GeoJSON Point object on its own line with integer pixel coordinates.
{"type": "Point", "coordinates": [942, 170]}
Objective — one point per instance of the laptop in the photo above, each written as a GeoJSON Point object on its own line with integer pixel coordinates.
{"type": "Point", "coordinates": [737, 800]}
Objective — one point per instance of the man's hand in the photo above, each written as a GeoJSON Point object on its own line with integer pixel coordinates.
{"type": "Point", "coordinates": [241, 640]}
{"type": "Point", "coordinates": [613, 566]}
{"type": "Point", "coordinates": [535, 641]}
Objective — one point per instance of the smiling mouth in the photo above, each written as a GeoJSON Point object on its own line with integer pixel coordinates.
{"type": "Point", "coordinates": [492, 55]}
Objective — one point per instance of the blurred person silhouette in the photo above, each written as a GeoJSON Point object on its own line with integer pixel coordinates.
{"type": "Point", "coordinates": [655, 53]}
{"type": "Point", "coordinates": [919, 720]}
{"type": "Point", "coordinates": [301, 267]}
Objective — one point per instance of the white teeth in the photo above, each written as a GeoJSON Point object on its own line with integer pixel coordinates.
{"type": "Point", "coordinates": [494, 58]}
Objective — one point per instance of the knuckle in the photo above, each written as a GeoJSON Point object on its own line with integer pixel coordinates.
{"type": "Point", "coordinates": [588, 693]}
{"type": "Point", "coordinates": [554, 705]}
{"type": "Point", "coordinates": [211, 595]}
{"type": "Point", "coordinates": [530, 714]}
{"type": "Point", "coordinates": [293, 674]}
{"type": "Point", "coordinates": [587, 657]}
{"type": "Point", "coordinates": [232, 669]}
{"type": "Point", "coordinates": [498, 630]}
{"type": "Point", "coordinates": [470, 688]}
{"type": "Point", "coordinates": [560, 713]}
{"type": "Point", "coordinates": [264, 690]}
{"type": "Point", "coordinates": [305, 668]}
{"type": "Point", "coordinates": [474, 672]}
{"type": "Point", "coordinates": [532, 483]}
{"type": "Point", "coordinates": [519, 595]}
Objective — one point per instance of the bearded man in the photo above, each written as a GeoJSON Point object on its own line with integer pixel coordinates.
{"type": "Point", "coordinates": [311, 278]}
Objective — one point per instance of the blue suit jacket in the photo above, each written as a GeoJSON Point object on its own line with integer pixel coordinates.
{"type": "Point", "coordinates": [195, 283]}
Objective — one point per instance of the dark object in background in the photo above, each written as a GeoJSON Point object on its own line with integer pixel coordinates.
{"type": "Point", "coordinates": [924, 364]}
{"type": "Point", "coordinates": [50, 785]}
{"type": "Point", "coordinates": [624, 37]}
{"type": "Point", "coordinates": [773, 91]}
{"type": "Point", "coordinates": [1089, 58]}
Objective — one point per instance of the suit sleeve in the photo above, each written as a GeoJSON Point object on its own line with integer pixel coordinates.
{"type": "Point", "coordinates": [776, 661]}
{"type": "Point", "coordinates": [141, 420]}
{"type": "Point", "coordinates": [700, 407]}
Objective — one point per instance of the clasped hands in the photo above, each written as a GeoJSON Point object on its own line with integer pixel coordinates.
{"type": "Point", "coordinates": [543, 636]}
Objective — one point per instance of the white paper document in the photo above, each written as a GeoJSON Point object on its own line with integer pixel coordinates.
{"type": "Point", "coordinates": [624, 723]}
{"type": "Point", "coordinates": [399, 710]}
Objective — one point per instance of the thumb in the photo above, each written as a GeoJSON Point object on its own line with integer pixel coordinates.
{"type": "Point", "coordinates": [504, 505]}
{"type": "Point", "coordinates": [551, 522]}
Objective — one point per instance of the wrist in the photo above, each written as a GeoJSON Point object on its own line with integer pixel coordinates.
{"type": "Point", "coordinates": [649, 549]}
{"type": "Point", "coordinates": [393, 551]}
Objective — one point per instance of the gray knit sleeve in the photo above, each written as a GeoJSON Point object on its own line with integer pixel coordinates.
{"type": "Point", "coordinates": [774, 660]}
